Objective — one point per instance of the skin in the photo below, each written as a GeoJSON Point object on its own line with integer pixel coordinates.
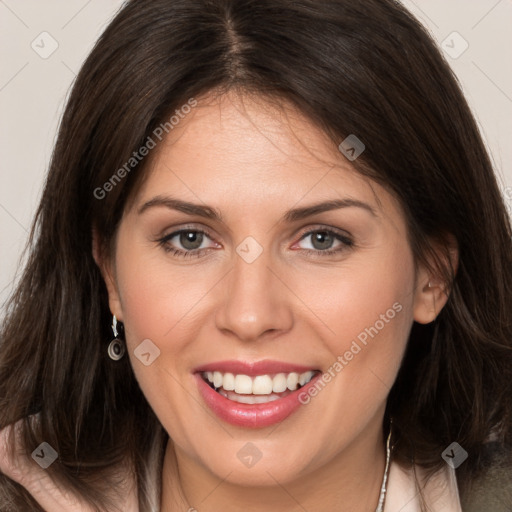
{"type": "Point", "coordinates": [252, 162]}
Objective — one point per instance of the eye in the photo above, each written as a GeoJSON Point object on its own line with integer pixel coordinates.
{"type": "Point", "coordinates": [186, 242]}
{"type": "Point", "coordinates": [325, 242]}
{"type": "Point", "coordinates": [189, 242]}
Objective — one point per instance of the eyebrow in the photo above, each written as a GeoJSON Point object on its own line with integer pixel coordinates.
{"type": "Point", "coordinates": [292, 215]}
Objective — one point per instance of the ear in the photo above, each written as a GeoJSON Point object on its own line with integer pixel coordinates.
{"type": "Point", "coordinates": [107, 269]}
{"type": "Point", "coordinates": [432, 291]}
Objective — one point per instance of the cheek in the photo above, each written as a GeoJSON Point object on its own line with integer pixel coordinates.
{"type": "Point", "coordinates": [366, 313]}
{"type": "Point", "coordinates": [160, 298]}
{"type": "Point", "coordinates": [367, 291]}
{"type": "Point", "coordinates": [157, 305]}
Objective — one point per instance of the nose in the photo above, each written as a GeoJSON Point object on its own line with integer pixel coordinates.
{"type": "Point", "coordinates": [255, 304]}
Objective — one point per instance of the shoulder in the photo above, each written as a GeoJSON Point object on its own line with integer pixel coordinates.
{"type": "Point", "coordinates": [18, 465]}
{"type": "Point", "coordinates": [491, 490]}
{"type": "Point", "coordinates": [408, 488]}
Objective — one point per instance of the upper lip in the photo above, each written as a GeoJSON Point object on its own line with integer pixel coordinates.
{"type": "Point", "coordinates": [253, 368]}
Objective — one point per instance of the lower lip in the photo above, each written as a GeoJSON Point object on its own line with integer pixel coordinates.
{"type": "Point", "coordinates": [252, 415]}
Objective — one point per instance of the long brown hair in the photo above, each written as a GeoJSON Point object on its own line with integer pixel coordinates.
{"type": "Point", "coordinates": [367, 68]}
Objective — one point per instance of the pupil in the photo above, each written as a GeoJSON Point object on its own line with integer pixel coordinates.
{"type": "Point", "coordinates": [322, 240]}
{"type": "Point", "coordinates": [191, 240]}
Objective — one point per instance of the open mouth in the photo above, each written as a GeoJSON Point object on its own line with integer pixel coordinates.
{"type": "Point", "coordinates": [259, 389]}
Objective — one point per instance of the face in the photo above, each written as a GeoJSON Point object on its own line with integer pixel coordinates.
{"type": "Point", "coordinates": [289, 270]}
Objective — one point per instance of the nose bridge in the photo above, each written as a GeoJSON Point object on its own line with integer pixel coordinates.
{"type": "Point", "coordinates": [255, 301]}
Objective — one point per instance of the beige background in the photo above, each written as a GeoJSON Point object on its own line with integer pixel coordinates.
{"type": "Point", "coordinates": [33, 89]}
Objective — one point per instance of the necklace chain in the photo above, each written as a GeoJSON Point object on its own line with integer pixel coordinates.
{"type": "Point", "coordinates": [384, 487]}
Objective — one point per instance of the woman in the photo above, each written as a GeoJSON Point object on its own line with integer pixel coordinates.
{"type": "Point", "coordinates": [270, 270]}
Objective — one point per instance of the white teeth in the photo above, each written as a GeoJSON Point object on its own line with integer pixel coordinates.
{"type": "Point", "coordinates": [305, 377]}
{"type": "Point", "coordinates": [249, 399]}
{"type": "Point", "coordinates": [229, 382]}
{"type": "Point", "coordinates": [217, 379]}
{"type": "Point", "coordinates": [243, 384]}
{"type": "Point", "coordinates": [279, 383]}
{"type": "Point", "coordinates": [258, 385]}
{"type": "Point", "coordinates": [261, 385]}
{"type": "Point", "coordinates": [292, 380]}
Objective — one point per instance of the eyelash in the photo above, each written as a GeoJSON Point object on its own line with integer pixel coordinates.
{"type": "Point", "coordinates": [347, 243]}
{"type": "Point", "coordinates": [164, 243]}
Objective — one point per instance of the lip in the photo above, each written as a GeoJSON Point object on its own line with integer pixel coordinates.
{"type": "Point", "coordinates": [253, 368]}
{"type": "Point", "coordinates": [251, 415]}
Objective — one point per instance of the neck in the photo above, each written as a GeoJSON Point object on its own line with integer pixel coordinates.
{"type": "Point", "coordinates": [350, 481]}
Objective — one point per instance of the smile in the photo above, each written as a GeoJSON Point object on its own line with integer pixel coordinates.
{"type": "Point", "coordinates": [256, 390]}
{"type": "Point", "coordinates": [253, 395]}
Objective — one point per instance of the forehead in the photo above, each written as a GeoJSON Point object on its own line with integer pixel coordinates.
{"type": "Point", "coordinates": [234, 150]}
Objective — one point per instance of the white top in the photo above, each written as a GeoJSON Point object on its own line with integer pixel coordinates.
{"type": "Point", "coordinates": [440, 493]}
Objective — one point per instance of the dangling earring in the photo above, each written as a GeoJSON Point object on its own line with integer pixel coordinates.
{"type": "Point", "coordinates": [116, 347]}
